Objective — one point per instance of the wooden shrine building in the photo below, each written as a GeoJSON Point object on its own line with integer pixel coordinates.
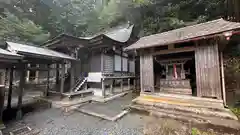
{"type": "Point", "coordinates": [185, 61]}
{"type": "Point", "coordinates": [16, 57]}
{"type": "Point", "coordinates": [102, 63]}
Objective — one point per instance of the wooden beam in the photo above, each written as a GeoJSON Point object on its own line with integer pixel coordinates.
{"type": "Point", "coordinates": [176, 50]}
{"type": "Point", "coordinates": [10, 89]}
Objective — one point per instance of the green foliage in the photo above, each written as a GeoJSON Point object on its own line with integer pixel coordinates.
{"type": "Point", "coordinates": [171, 14]}
{"type": "Point", "coordinates": [196, 131]}
{"type": "Point", "coordinates": [236, 111]}
{"type": "Point", "coordinates": [12, 28]}
{"type": "Point", "coordinates": [88, 17]}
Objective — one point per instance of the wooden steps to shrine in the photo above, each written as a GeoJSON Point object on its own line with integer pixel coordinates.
{"type": "Point", "coordinates": [188, 109]}
{"type": "Point", "coordinates": [182, 100]}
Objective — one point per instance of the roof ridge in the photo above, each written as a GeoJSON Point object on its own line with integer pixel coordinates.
{"type": "Point", "coordinates": [199, 24]}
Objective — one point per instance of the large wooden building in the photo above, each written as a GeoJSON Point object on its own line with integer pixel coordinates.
{"type": "Point", "coordinates": [101, 61]}
{"type": "Point", "coordinates": [186, 61]}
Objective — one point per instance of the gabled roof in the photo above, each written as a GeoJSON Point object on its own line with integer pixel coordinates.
{"type": "Point", "coordinates": [200, 31]}
{"type": "Point", "coordinates": [36, 51]}
{"type": "Point", "coordinates": [119, 34]}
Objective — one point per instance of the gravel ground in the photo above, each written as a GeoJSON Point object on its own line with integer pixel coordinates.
{"type": "Point", "coordinates": [55, 122]}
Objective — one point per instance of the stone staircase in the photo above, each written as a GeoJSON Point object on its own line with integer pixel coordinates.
{"type": "Point", "coordinates": [186, 108]}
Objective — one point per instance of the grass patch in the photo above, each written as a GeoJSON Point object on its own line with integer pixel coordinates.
{"type": "Point", "coordinates": [236, 111]}
{"type": "Point", "coordinates": [196, 131]}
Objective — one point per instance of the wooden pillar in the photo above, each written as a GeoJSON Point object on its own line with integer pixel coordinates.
{"type": "Point", "coordinates": [62, 78]}
{"type": "Point", "coordinates": [6, 77]}
{"type": "Point", "coordinates": [122, 85]}
{"type": "Point", "coordinates": [57, 77]}
{"type": "Point", "coordinates": [183, 76]}
{"type": "Point", "coordinates": [134, 84]}
{"type": "Point", "coordinates": [121, 62]}
{"type": "Point", "coordinates": [223, 79]}
{"type": "Point", "coordinates": [28, 73]}
{"type": "Point", "coordinates": [10, 89]}
{"type": "Point", "coordinates": [103, 88]}
{"type": "Point", "coordinates": [102, 62]}
{"type": "Point", "coordinates": [1, 104]}
{"type": "Point", "coordinates": [37, 75]}
{"type": "Point", "coordinates": [146, 73]}
{"type": "Point", "coordinates": [111, 87]}
{"type": "Point", "coordinates": [129, 85]}
{"type": "Point", "coordinates": [20, 91]}
{"type": "Point", "coordinates": [72, 75]}
{"type": "Point", "coordinates": [48, 81]}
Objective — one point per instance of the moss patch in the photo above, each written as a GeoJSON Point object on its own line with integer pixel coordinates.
{"type": "Point", "coordinates": [196, 131]}
{"type": "Point", "coordinates": [236, 111]}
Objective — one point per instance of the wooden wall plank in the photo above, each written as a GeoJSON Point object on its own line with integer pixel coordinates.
{"type": "Point", "coordinates": [146, 72]}
{"type": "Point", "coordinates": [208, 70]}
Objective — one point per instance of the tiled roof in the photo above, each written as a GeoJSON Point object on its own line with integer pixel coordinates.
{"type": "Point", "coordinates": [185, 33]}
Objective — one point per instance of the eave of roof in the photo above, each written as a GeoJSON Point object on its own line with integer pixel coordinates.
{"type": "Point", "coordinates": [9, 55]}
{"type": "Point", "coordinates": [197, 32]}
{"type": "Point", "coordinates": [36, 51]}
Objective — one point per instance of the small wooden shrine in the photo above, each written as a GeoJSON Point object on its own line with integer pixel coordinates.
{"type": "Point", "coordinates": [203, 73]}
{"type": "Point", "coordinates": [174, 77]}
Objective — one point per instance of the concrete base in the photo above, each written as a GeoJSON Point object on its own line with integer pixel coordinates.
{"type": "Point", "coordinates": [103, 116]}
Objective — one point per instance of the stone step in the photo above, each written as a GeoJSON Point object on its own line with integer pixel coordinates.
{"type": "Point", "coordinates": [189, 117]}
{"type": "Point", "coordinates": [204, 111]}
{"type": "Point", "coordinates": [183, 99]}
